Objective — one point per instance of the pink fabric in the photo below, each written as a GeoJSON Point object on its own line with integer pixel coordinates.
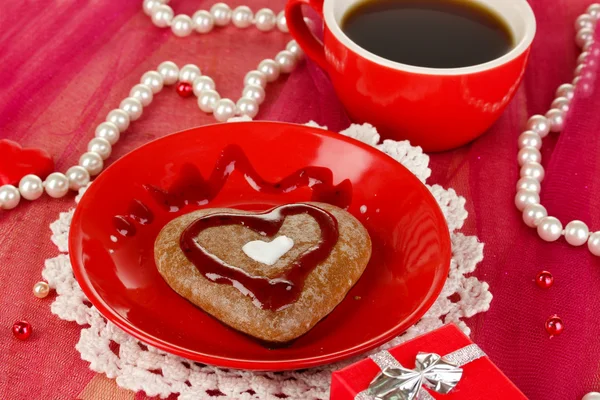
{"type": "Point", "coordinates": [66, 64]}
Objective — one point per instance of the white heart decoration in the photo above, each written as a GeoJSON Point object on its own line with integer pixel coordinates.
{"type": "Point", "coordinates": [268, 252]}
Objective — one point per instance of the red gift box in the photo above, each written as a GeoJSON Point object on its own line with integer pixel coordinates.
{"type": "Point", "coordinates": [481, 379]}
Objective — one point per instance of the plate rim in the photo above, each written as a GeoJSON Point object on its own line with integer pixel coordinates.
{"type": "Point", "coordinates": [254, 365]}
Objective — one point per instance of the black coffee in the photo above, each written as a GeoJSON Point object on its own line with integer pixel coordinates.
{"type": "Point", "coordinates": [429, 33]}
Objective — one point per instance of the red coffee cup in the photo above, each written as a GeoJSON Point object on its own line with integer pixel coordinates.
{"type": "Point", "coordinates": [437, 109]}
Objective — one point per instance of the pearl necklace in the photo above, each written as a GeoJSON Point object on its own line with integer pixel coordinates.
{"type": "Point", "coordinates": [527, 200]}
{"type": "Point", "coordinates": [190, 81]}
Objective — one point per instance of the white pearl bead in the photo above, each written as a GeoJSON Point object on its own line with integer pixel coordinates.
{"type": "Point", "coordinates": [92, 162]}
{"type": "Point", "coordinates": [9, 197]}
{"type": "Point", "coordinates": [594, 11]}
{"type": "Point", "coordinates": [203, 21]}
{"type": "Point", "coordinates": [224, 109]}
{"type": "Point", "coordinates": [56, 185]}
{"type": "Point", "coordinates": [78, 177]}
{"type": "Point", "coordinates": [255, 93]}
{"type": "Point", "coordinates": [270, 68]}
{"type": "Point", "coordinates": [526, 197]}
{"type": "Point", "coordinates": [587, 47]}
{"type": "Point", "coordinates": [556, 118]}
{"type": "Point", "coordinates": [530, 139]}
{"type": "Point", "coordinates": [533, 214]}
{"type": "Point", "coordinates": [579, 70]}
{"type": "Point", "coordinates": [208, 100]}
{"type": "Point", "coordinates": [221, 14]}
{"type": "Point", "coordinates": [529, 154]}
{"type": "Point", "coordinates": [108, 131]}
{"type": "Point", "coordinates": [281, 22]}
{"type": "Point", "coordinates": [576, 233]}
{"type": "Point", "coordinates": [532, 170]}
{"type": "Point", "coordinates": [202, 83]}
{"type": "Point", "coordinates": [149, 6]}
{"type": "Point", "coordinates": [162, 15]}
{"type": "Point", "coordinates": [169, 72]}
{"type": "Point", "coordinates": [549, 229]}
{"type": "Point", "coordinates": [561, 103]}
{"type": "Point", "coordinates": [576, 80]}
{"type": "Point", "coordinates": [133, 107]}
{"type": "Point", "coordinates": [255, 78]}
{"type": "Point", "coordinates": [31, 187]}
{"type": "Point", "coordinates": [101, 146]}
{"type": "Point", "coordinates": [242, 17]}
{"type": "Point", "coordinates": [582, 57]}
{"type": "Point", "coordinates": [143, 93]}
{"type": "Point", "coordinates": [189, 73]}
{"type": "Point", "coordinates": [265, 19]}
{"type": "Point", "coordinates": [591, 396]}
{"type": "Point", "coordinates": [286, 61]}
{"type": "Point", "coordinates": [182, 25]}
{"type": "Point", "coordinates": [247, 106]}
{"type": "Point", "coordinates": [529, 184]}
{"type": "Point", "coordinates": [120, 119]}
{"type": "Point", "coordinates": [584, 21]}
{"type": "Point", "coordinates": [594, 243]}
{"type": "Point", "coordinates": [567, 90]}
{"type": "Point", "coordinates": [295, 49]}
{"type": "Point", "coordinates": [539, 124]}
{"type": "Point", "coordinates": [153, 80]}
{"type": "Point", "coordinates": [584, 36]}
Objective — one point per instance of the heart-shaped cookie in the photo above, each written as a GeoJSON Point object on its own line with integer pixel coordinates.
{"type": "Point", "coordinates": [200, 255]}
{"type": "Point", "coordinates": [16, 162]}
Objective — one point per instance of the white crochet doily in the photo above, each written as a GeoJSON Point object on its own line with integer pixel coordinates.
{"type": "Point", "coordinates": [137, 367]}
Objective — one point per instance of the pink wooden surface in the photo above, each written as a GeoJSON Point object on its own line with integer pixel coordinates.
{"type": "Point", "coordinates": [66, 64]}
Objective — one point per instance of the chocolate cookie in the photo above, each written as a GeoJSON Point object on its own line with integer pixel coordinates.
{"type": "Point", "coordinates": [272, 275]}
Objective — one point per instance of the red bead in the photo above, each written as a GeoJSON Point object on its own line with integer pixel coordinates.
{"type": "Point", "coordinates": [544, 279]}
{"type": "Point", "coordinates": [22, 330]}
{"type": "Point", "coordinates": [184, 89]}
{"type": "Point", "coordinates": [554, 326]}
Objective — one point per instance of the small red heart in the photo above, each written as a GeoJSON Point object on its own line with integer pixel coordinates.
{"type": "Point", "coordinates": [16, 162]}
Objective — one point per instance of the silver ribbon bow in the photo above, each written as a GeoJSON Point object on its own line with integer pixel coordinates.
{"type": "Point", "coordinates": [439, 374]}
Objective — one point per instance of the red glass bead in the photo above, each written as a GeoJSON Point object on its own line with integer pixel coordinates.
{"type": "Point", "coordinates": [554, 326]}
{"type": "Point", "coordinates": [184, 89]}
{"type": "Point", "coordinates": [22, 330]}
{"type": "Point", "coordinates": [544, 279]}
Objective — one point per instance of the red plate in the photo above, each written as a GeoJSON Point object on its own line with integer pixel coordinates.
{"type": "Point", "coordinates": [411, 244]}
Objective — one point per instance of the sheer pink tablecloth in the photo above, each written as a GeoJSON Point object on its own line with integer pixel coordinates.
{"type": "Point", "coordinates": [65, 64]}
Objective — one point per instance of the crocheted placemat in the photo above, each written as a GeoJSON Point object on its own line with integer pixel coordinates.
{"type": "Point", "coordinates": [137, 366]}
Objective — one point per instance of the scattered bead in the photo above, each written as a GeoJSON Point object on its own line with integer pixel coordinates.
{"type": "Point", "coordinates": [22, 330]}
{"type": "Point", "coordinates": [554, 326]}
{"type": "Point", "coordinates": [41, 290]}
{"type": "Point", "coordinates": [184, 89]}
{"type": "Point", "coordinates": [544, 280]}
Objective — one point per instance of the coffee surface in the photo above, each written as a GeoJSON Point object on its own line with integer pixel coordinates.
{"type": "Point", "coordinates": [429, 33]}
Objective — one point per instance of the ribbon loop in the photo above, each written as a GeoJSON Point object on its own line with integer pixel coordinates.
{"type": "Point", "coordinates": [431, 370]}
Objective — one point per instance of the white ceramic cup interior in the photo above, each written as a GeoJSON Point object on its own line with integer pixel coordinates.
{"type": "Point", "coordinates": [516, 13]}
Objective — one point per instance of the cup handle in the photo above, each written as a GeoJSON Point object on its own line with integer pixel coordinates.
{"type": "Point", "coordinates": [297, 26]}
